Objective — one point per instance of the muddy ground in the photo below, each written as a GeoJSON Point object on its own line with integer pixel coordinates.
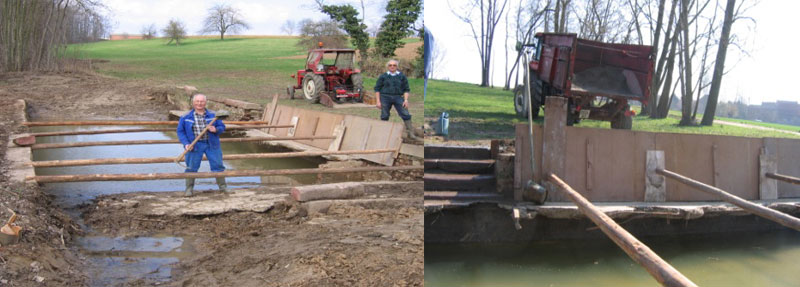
{"type": "Point", "coordinates": [347, 246]}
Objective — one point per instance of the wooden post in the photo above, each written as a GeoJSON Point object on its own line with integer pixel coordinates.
{"type": "Point", "coordinates": [231, 173]}
{"type": "Point", "coordinates": [338, 132]}
{"type": "Point", "coordinates": [272, 107]}
{"type": "Point", "coordinates": [554, 143]}
{"type": "Point", "coordinates": [664, 273]}
{"type": "Point", "coordinates": [771, 214]}
{"type": "Point", "coordinates": [767, 163]}
{"type": "Point", "coordinates": [294, 126]}
{"type": "Point", "coordinates": [655, 184]}
{"type": "Point", "coordinates": [127, 123]}
{"type": "Point", "coordinates": [137, 142]}
{"type": "Point", "coordinates": [100, 161]}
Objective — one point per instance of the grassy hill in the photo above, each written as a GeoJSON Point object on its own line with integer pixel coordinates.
{"type": "Point", "coordinates": [246, 68]}
{"type": "Point", "coordinates": [478, 113]}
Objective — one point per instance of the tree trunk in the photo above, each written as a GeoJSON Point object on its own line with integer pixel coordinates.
{"type": "Point", "coordinates": [686, 99]}
{"type": "Point", "coordinates": [719, 66]}
{"type": "Point", "coordinates": [667, 51]}
{"type": "Point", "coordinates": [652, 103]}
{"type": "Point", "coordinates": [663, 101]}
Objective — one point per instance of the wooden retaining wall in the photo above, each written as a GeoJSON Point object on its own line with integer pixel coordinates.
{"type": "Point", "coordinates": [609, 165]}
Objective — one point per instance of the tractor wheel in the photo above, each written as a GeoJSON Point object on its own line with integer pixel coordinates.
{"type": "Point", "coordinates": [519, 101]}
{"type": "Point", "coordinates": [312, 86]}
{"type": "Point", "coordinates": [358, 86]}
{"type": "Point", "coordinates": [290, 91]}
{"type": "Point", "coordinates": [622, 122]}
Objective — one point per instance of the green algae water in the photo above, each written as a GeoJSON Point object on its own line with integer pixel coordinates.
{"type": "Point", "coordinates": [768, 259]}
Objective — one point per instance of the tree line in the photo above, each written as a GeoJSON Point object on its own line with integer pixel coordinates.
{"type": "Point", "coordinates": [34, 33]}
{"type": "Point", "coordinates": [690, 40]}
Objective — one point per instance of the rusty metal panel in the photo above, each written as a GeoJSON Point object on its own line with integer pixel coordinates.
{"type": "Point", "coordinates": [562, 68]}
{"type": "Point", "coordinates": [788, 155]}
{"type": "Point", "coordinates": [546, 62]}
{"type": "Point", "coordinates": [735, 165]}
{"type": "Point", "coordinates": [522, 158]}
{"type": "Point", "coordinates": [690, 156]}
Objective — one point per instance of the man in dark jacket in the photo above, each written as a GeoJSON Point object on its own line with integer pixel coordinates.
{"type": "Point", "coordinates": [189, 127]}
{"type": "Point", "coordinates": [391, 89]}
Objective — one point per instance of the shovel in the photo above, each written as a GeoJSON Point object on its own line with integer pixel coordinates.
{"type": "Point", "coordinates": [9, 233]}
{"type": "Point", "coordinates": [220, 115]}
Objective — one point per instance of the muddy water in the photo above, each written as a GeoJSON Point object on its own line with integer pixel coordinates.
{"type": "Point", "coordinates": [117, 261]}
{"type": "Point", "coordinates": [768, 259]}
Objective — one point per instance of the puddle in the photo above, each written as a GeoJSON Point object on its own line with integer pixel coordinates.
{"type": "Point", "coordinates": [116, 261]}
{"type": "Point", "coordinates": [120, 261]}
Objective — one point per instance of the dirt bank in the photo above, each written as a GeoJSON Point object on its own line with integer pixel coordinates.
{"type": "Point", "coordinates": [349, 245]}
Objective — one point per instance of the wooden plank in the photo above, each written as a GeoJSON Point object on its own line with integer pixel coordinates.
{"type": "Point", "coordinates": [555, 141]}
{"type": "Point", "coordinates": [589, 165]}
{"type": "Point", "coordinates": [126, 123]}
{"type": "Point", "coordinates": [269, 111]}
{"type": "Point", "coordinates": [767, 187]}
{"type": "Point", "coordinates": [655, 184]}
{"type": "Point", "coordinates": [101, 161]}
{"type": "Point", "coordinates": [414, 150]}
{"type": "Point", "coordinates": [339, 134]}
{"type": "Point", "coordinates": [139, 142]}
{"type": "Point", "coordinates": [664, 273]}
{"type": "Point", "coordinates": [111, 131]}
{"type": "Point", "coordinates": [231, 173]}
{"type": "Point", "coordinates": [787, 152]}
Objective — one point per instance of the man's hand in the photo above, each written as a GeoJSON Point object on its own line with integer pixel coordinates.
{"type": "Point", "coordinates": [186, 147]}
{"type": "Point", "coordinates": [405, 104]}
{"type": "Point", "coordinates": [378, 100]}
{"type": "Point", "coordinates": [212, 129]}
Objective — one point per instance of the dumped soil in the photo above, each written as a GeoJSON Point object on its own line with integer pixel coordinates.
{"type": "Point", "coordinates": [349, 245]}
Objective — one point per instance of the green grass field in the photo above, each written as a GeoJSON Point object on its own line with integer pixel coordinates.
{"type": "Point", "coordinates": [478, 114]}
{"type": "Point", "coordinates": [245, 68]}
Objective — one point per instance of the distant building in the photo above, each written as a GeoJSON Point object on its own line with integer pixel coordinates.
{"type": "Point", "coordinates": [124, 37]}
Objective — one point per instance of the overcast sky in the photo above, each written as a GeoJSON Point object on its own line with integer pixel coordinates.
{"type": "Point", "coordinates": [264, 16]}
{"type": "Point", "coordinates": [767, 75]}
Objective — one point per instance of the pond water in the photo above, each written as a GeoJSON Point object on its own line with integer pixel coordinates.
{"type": "Point", "coordinates": [768, 259]}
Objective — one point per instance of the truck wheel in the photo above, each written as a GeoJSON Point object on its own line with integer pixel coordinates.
{"type": "Point", "coordinates": [622, 122]}
{"type": "Point", "coordinates": [358, 86]}
{"type": "Point", "coordinates": [519, 101]}
{"type": "Point", "coordinates": [312, 86]}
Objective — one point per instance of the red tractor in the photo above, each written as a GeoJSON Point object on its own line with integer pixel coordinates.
{"type": "Point", "coordinates": [331, 72]}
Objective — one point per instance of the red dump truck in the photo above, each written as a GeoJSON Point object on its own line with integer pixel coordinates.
{"type": "Point", "coordinates": [599, 79]}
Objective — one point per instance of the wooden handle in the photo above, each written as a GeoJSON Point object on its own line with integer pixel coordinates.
{"type": "Point", "coordinates": [13, 217]}
{"type": "Point", "coordinates": [191, 145]}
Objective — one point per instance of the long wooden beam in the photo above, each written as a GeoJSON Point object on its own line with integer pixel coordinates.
{"type": "Point", "coordinates": [110, 131]}
{"type": "Point", "coordinates": [638, 251]}
{"type": "Point", "coordinates": [232, 173]}
{"type": "Point", "coordinates": [786, 178]}
{"type": "Point", "coordinates": [100, 161]}
{"type": "Point", "coordinates": [138, 142]}
{"type": "Point", "coordinates": [768, 213]}
{"type": "Point", "coordinates": [126, 123]}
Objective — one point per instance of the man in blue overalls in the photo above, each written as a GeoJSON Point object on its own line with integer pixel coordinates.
{"type": "Point", "coordinates": [190, 126]}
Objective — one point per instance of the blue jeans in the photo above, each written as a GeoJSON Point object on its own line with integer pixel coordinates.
{"type": "Point", "coordinates": [397, 101]}
{"type": "Point", "coordinates": [195, 156]}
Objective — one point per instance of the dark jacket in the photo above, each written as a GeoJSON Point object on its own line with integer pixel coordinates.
{"type": "Point", "coordinates": [186, 134]}
{"type": "Point", "coordinates": [392, 85]}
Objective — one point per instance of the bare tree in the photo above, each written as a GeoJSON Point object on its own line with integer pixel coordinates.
{"type": "Point", "coordinates": [601, 20]}
{"type": "Point", "coordinates": [326, 31]}
{"type": "Point", "coordinates": [288, 27]}
{"type": "Point", "coordinates": [149, 32]}
{"type": "Point", "coordinates": [34, 33]}
{"type": "Point", "coordinates": [529, 16]}
{"type": "Point", "coordinates": [175, 31]}
{"type": "Point", "coordinates": [490, 15]}
{"type": "Point", "coordinates": [719, 67]}
{"type": "Point", "coordinates": [222, 19]}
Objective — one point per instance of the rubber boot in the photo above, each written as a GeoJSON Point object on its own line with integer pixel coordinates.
{"type": "Point", "coordinates": [223, 187]}
{"type": "Point", "coordinates": [189, 187]}
{"type": "Point", "coordinates": [410, 131]}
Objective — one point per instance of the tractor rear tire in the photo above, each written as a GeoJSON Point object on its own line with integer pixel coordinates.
{"type": "Point", "coordinates": [358, 86]}
{"type": "Point", "coordinates": [519, 101]}
{"type": "Point", "coordinates": [622, 122]}
{"type": "Point", "coordinates": [312, 86]}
